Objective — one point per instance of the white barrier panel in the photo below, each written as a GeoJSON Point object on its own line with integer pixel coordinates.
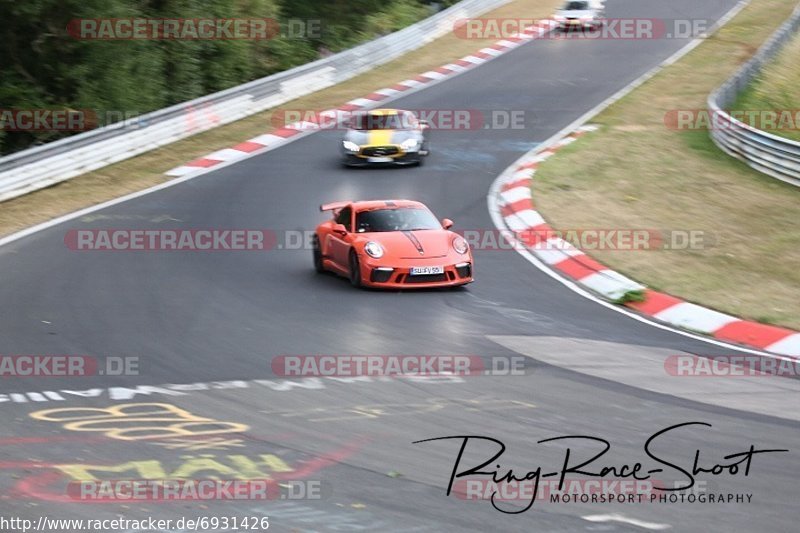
{"type": "Point", "coordinates": [767, 153]}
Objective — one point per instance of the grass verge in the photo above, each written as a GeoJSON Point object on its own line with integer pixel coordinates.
{"type": "Point", "coordinates": [635, 172]}
{"type": "Point", "coordinates": [777, 88]}
{"type": "Point", "coordinates": [148, 169]}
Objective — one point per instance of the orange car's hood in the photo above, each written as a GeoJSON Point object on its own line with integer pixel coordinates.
{"type": "Point", "coordinates": [414, 244]}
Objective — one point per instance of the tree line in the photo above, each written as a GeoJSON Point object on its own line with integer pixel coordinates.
{"type": "Point", "coordinates": [47, 65]}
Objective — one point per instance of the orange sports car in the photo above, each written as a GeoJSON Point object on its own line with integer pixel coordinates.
{"type": "Point", "coordinates": [396, 244]}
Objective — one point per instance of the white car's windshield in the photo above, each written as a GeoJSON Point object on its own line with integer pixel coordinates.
{"type": "Point", "coordinates": [576, 6]}
{"type": "Point", "coordinates": [369, 121]}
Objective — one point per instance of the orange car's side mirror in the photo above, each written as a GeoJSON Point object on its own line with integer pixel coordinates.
{"type": "Point", "coordinates": [447, 223]}
{"type": "Point", "coordinates": [340, 229]}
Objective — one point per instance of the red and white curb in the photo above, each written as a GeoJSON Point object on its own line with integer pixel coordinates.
{"type": "Point", "coordinates": [513, 201]}
{"type": "Point", "coordinates": [264, 143]}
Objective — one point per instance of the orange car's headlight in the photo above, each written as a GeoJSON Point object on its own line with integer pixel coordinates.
{"type": "Point", "coordinates": [374, 249]}
{"type": "Point", "coordinates": [460, 245]}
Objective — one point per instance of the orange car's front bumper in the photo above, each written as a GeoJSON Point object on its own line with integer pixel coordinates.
{"type": "Point", "coordinates": [381, 276]}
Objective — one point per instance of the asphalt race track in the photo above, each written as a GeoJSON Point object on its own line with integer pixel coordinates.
{"type": "Point", "coordinates": [222, 317]}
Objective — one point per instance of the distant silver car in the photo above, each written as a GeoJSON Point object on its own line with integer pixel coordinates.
{"type": "Point", "coordinates": [385, 136]}
{"type": "Point", "coordinates": [580, 14]}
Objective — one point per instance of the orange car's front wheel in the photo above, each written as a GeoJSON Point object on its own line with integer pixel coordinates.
{"type": "Point", "coordinates": [355, 269]}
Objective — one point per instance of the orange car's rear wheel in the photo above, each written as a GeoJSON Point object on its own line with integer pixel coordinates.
{"type": "Point", "coordinates": [355, 269]}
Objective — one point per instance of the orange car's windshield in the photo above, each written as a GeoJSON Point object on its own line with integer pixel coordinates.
{"type": "Point", "coordinates": [401, 219]}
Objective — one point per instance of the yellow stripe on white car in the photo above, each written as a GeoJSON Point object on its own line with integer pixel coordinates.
{"type": "Point", "coordinates": [380, 137]}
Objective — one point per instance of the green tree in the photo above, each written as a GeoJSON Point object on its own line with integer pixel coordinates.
{"type": "Point", "coordinates": [44, 66]}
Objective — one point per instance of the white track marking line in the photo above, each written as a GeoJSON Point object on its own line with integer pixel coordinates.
{"type": "Point", "coordinates": [362, 102]}
{"type": "Point", "coordinates": [267, 139]}
{"type": "Point", "coordinates": [493, 51]}
{"type": "Point", "coordinates": [414, 84]}
{"type": "Point", "coordinates": [226, 154]}
{"type": "Point", "coordinates": [516, 194]}
{"type": "Point", "coordinates": [615, 517]}
{"type": "Point", "coordinates": [432, 74]}
{"type": "Point", "coordinates": [786, 345]}
{"type": "Point", "coordinates": [387, 92]}
{"type": "Point", "coordinates": [182, 170]}
{"type": "Point", "coordinates": [475, 60]}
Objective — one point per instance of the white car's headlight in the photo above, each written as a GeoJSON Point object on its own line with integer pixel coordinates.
{"type": "Point", "coordinates": [460, 245]}
{"type": "Point", "coordinates": [410, 144]}
{"type": "Point", "coordinates": [350, 146]}
{"type": "Point", "coordinates": [374, 249]}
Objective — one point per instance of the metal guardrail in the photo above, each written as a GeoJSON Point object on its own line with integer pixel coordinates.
{"type": "Point", "coordinates": [45, 165]}
{"type": "Point", "coordinates": [770, 154]}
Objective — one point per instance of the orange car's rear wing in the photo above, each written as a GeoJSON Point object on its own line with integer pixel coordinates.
{"type": "Point", "coordinates": [333, 206]}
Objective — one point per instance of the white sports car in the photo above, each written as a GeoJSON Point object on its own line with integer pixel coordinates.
{"type": "Point", "coordinates": [580, 14]}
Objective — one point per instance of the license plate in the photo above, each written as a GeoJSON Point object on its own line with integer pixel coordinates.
{"type": "Point", "coordinates": [426, 271]}
{"type": "Point", "coordinates": [379, 159]}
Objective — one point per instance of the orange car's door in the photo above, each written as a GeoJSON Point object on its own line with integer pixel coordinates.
{"type": "Point", "coordinates": [339, 245]}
